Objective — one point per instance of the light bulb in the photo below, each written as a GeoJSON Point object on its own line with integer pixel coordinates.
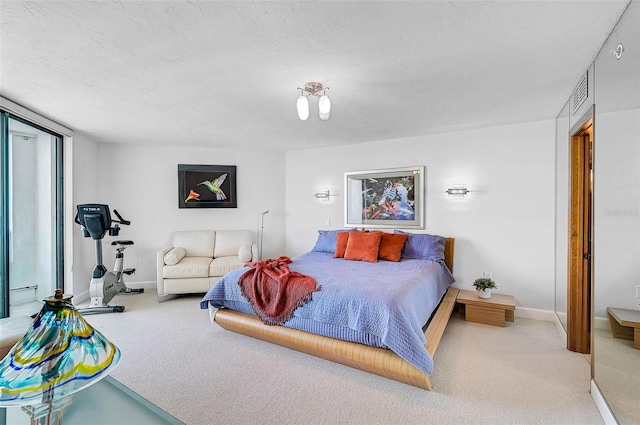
{"type": "Point", "coordinates": [324, 107]}
{"type": "Point", "coordinates": [303, 107]}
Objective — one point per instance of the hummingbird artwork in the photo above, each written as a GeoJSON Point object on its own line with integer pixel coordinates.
{"type": "Point", "coordinates": [214, 186]}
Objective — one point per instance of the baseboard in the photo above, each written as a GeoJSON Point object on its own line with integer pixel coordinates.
{"type": "Point", "coordinates": [536, 314]}
{"type": "Point", "coordinates": [560, 326]}
{"type": "Point", "coordinates": [601, 404]}
{"type": "Point", "coordinates": [83, 296]}
{"type": "Point", "coordinates": [146, 284]}
{"type": "Point", "coordinates": [601, 323]}
{"type": "Point", "coordinates": [551, 316]}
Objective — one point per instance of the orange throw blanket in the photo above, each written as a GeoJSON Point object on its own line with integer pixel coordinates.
{"type": "Point", "coordinates": [274, 291]}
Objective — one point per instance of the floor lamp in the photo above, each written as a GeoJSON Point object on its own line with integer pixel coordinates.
{"type": "Point", "coordinates": [262, 231]}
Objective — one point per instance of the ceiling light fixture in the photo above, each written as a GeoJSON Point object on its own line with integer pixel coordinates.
{"type": "Point", "coordinates": [303, 107]}
{"type": "Point", "coordinates": [324, 103]}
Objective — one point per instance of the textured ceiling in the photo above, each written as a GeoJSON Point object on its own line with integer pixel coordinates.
{"type": "Point", "coordinates": [224, 74]}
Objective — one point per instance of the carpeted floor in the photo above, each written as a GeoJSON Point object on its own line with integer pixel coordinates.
{"type": "Point", "coordinates": [616, 369]}
{"type": "Point", "coordinates": [202, 374]}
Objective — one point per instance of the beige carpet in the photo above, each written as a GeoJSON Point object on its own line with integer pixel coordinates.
{"type": "Point", "coordinates": [616, 369]}
{"type": "Point", "coordinates": [202, 374]}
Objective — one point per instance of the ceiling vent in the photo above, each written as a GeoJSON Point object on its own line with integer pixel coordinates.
{"type": "Point", "coordinates": [581, 93]}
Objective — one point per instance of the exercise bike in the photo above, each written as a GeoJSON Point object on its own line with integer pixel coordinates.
{"type": "Point", "coordinates": [96, 221]}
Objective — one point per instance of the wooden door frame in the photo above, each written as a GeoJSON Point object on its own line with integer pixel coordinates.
{"type": "Point", "coordinates": [580, 249]}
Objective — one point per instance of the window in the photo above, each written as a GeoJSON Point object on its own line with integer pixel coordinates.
{"type": "Point", "coordinates": [31, 214]}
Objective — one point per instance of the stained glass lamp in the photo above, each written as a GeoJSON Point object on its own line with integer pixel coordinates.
{"type": "Point", "coordinates": [59, 355]}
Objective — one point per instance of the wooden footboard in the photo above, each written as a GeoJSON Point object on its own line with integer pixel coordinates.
{"type": "Point", "coordinates": [375, 360]}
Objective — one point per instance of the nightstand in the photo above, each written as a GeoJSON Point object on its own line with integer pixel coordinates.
{"type": "Point", "coordinates": [625, 324]}
{"type": "Point", "coordinates": [490, 311]}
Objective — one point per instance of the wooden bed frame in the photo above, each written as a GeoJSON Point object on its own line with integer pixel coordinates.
{"type": "Point", "coordinates": [379, 361]}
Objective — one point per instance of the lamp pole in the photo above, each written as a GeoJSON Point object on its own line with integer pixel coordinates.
{"type": "Point", "coordinates": [262, 231]}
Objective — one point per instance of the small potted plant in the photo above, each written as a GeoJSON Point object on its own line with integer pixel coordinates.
{"type": "Point", "coordinates": [484, 285]}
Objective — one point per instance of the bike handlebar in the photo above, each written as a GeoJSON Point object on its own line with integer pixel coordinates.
{"type": "Point", "coordinates": [122, 220]}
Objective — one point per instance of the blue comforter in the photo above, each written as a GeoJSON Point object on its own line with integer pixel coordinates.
{"type": "Point", "coordinates": [382, 304]}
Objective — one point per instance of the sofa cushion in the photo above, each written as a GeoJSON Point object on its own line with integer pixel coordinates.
{"type": "Point", "coordinates": [188, 267]}
{"type": "Point", "coordinates": [196, 243]}
{"type": "Point", "coordinates": [244, 254]}
{"type": "Point", "coordinates": [193, 285]}
{"type": "Point", "coordinates": [222, 265]}
{"type": "Point", "coordinates": [174, 256]}
{"type": "Point", "coordinates": [228, 242]}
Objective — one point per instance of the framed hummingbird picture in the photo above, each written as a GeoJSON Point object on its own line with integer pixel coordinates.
{"type": "Point", "coordinates": [207, 186]}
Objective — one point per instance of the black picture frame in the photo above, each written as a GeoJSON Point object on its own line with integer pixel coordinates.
{"type": "Point", "coordinates": [207, 186]}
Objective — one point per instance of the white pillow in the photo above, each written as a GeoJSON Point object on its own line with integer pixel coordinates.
{"type": "Point", "coordinates": [174, 256]}
{"type": "Point", "coordinates": [244, 253]}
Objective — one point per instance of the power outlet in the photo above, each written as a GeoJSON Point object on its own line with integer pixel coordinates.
{"type": "Point", "coordinates": [327, 222]}
{"type": "Point", "coordinates": [137, 262]}
{"type": "Point", "coordinates": [637, 291]}
{"type": "Point", "coordinates": [487, 275]}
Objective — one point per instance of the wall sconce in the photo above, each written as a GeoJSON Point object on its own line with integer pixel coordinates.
{"type": "Point", "coordinates": [458, 191]}
{"type": "Point", "coordinates": [324, 195]}
{"type": "Point", "coordinates": [324, 103]}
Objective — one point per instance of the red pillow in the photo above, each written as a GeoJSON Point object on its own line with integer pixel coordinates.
{"type": "Point", "coordinates": [341, 244]}
{"type": "Point", "coordinates": [391, 246]}
{"type": "Point", "coordinates": [363, 246]}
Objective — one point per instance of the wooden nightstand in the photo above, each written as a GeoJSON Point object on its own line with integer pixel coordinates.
{"type": "Point", "coordinates": [625, 324]}
{"type": "Point", "coordinates": [492, 311]}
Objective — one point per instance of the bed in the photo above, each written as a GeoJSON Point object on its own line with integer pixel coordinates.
{"type": "Point", "coordinates": [385, 335]}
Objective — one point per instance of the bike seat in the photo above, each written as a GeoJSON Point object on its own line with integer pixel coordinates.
{"type": "Point", "coordinates": [122, 243]}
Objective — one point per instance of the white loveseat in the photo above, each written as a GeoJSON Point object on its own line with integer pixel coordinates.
{"type": "Point", "coordinates": [196, 259]}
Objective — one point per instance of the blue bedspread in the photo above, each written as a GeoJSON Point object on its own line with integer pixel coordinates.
{"type": "Point", "coordinates": [383, 304]}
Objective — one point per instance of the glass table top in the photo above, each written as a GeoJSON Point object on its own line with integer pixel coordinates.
{"type": "Point", "coordinates": [108, 402]}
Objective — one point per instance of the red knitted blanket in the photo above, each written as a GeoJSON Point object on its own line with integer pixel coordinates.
{"type": "Point", "coordinates": [274, 291]}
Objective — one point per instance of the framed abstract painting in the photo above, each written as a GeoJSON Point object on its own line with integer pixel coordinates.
{"type": "Point", "coordinates": [387, 198]}
{"type": "Point", "coordinates": [207, 186]}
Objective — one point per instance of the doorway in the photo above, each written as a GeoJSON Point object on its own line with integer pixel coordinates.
{"type": "Point", "coordinates": [580, 238]}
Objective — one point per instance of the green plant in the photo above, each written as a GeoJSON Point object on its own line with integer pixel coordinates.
{"type": "Point", "coordinates": [484, 283]}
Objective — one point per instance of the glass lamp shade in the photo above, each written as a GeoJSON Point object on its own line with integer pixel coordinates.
{"type": "Point", "coordinates": [303, 107]}
{"type": "Point", "coordinates": [324, 107]}
{"type": "Point", "coordinates": [59, 355]}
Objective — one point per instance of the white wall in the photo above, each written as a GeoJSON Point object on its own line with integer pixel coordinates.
{"type": "Point", "coordinates": [141, 182]}
{"type": "Point", "coordinates": [505, 226]}
{"type": "Point", "coordinates": [84, 157]}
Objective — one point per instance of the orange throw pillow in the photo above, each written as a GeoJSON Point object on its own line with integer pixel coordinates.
{"type": "Point", "coordinates": [341, 244]}
{"type": "Point", "coordinates": [391, 246]}
{"type": "Point", "coordinates": [363, 246]}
